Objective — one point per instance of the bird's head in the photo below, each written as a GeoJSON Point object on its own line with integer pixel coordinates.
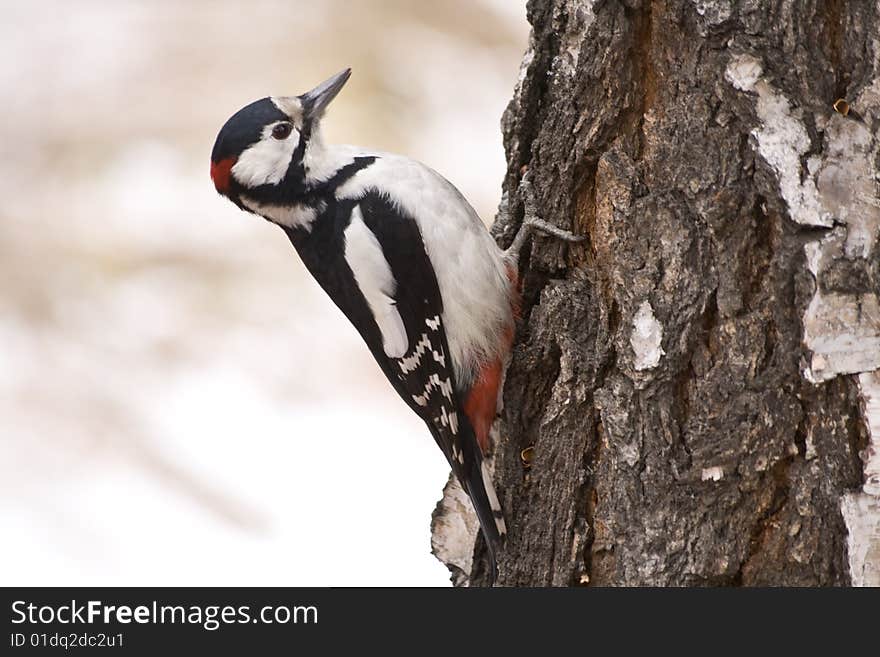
{"type": "Point", "coordinates": [263, 144]}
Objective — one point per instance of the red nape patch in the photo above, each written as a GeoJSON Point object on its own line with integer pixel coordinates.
{"type": "Point", "coordinates": [220, 173]}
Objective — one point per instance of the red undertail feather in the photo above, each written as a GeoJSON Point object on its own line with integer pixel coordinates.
{"type": "Point", "coordinates": [481, 401]}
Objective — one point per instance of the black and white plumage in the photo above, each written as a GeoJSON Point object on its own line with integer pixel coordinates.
{"type": "Point", "coordinates": [401, 253]}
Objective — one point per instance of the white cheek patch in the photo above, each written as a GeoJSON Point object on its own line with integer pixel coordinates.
{"type": "Point", "coordinates": [266, 162]}
{"type": "Point", "coordinates": [371, 270]}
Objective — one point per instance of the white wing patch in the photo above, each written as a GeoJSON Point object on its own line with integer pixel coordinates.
{"type": "Point", "coordinates": [410, 363]}
{"type": "Point", "coordinates": [371, 270]}
{"type": "Point", "coordinates": [434, 383]}
{"type": "Point", "coordinates": [266, 162]}
{"type": "Point", "coordinates": [448, 417]}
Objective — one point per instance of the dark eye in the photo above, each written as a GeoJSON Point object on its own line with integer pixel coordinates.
{"type": "Point", "coordinates": [282, 131]}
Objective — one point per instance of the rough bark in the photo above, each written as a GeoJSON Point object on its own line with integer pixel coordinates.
{"type": "Point", "coordinates": [687, 378]}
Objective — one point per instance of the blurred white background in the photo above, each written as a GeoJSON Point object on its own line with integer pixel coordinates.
{"type": "Point", "coordinates": [179, 403]}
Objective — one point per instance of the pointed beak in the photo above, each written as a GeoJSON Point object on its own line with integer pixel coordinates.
{"type": "Point", "coordinates": [314, 102]}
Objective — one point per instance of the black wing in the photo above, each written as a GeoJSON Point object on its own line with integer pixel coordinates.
{"type": "Point", "coordinates": [424, 376]}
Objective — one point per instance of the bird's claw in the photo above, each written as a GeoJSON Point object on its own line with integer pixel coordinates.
{"type": "Point", "coordinates": [555, 231]}
{"type": "Point", "coordinates": [531, 220]}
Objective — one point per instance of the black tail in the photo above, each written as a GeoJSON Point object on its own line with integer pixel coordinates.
{"type": "Point", "coordinates": [477, 483]}
{"type": "Point", "coordinates": [464, 455]}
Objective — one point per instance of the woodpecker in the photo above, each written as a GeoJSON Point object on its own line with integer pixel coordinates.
{"type": "Point", "coordinates": [403, 255]}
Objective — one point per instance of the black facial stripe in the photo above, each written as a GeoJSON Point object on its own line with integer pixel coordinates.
{"type": "Point", "coordinates": [306, 129]}
{"type": "Point", "coordinates": [295, 170]}
{"type": "Point", "coordinates": [293, 188]}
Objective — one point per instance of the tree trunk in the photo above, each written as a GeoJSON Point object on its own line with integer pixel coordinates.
{"type": "Point", "coordinates": [686, 382]}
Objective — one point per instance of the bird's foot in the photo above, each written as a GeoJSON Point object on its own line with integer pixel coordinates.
{"type": "Point", "coordinates": [532, 221]}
